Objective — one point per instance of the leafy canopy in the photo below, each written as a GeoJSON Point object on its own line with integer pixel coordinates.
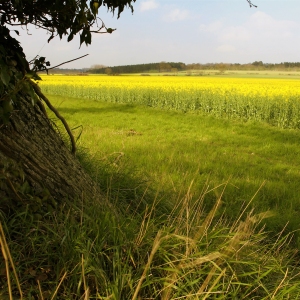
{"type": "Point", "coordinates": [60, 17]}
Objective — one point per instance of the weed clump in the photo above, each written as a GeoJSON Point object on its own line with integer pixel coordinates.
{"type": "Point", "coordinates": [87, 250]}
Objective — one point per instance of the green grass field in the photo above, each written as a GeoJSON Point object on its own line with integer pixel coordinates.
{"type": "Point", "coordinates": [170, 150]}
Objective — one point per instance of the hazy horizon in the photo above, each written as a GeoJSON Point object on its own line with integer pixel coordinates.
{"type": "Point", "coordinates": [209, 63]}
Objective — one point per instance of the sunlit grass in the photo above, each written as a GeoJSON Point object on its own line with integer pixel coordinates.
{"type": "Point", "coordinates": [170, 149]}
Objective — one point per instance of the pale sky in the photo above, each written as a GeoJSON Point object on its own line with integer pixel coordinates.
{"type": "Point", "coordinates": [189, 31]}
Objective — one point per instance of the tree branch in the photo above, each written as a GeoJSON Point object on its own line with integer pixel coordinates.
{"type": "Point", "coordinates": [65, 62]}
{"type": "Point", "coordinates": [42, 96]}
{"type": "Point", "coordinates": [251, 4]}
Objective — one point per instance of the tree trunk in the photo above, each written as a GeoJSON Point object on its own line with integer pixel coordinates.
{"type": "Point", "coordinates": [30, 142]}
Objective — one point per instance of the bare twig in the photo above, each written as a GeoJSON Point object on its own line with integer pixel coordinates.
{"type": "Point", "coordinates": [251, 4]}
{"type": "Point", "coordinates": [67, 62]}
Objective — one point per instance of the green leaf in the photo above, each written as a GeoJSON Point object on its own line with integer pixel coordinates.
{"type": "Point", "coordinates": [7, 106]}
{"type": "Point", "coordinates": [88, 38]}
{"type": "Point", "coordinates": [70, 37]}
{"type": "Point", "coordinates": [36, 77]}
{"type": "Point", "coordinates": [33, 75]}
{"type": "Point", "coordinates": [82, 36]}
{"type": "Point", "coordinates": [110, 30]}
{"type": "Point", "coordinates": [5, 75]}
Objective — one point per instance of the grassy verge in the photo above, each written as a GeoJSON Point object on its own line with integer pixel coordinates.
{"type": "Point", "coordinates": [87, 251]}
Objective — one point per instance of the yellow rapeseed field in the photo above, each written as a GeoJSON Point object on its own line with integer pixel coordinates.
{"type": "Point", "coordinates": [244, 86]}
{"type": "Point", "coordinates": [276, 101]}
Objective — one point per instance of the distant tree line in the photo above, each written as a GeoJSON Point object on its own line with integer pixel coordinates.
{"type": "Point", "coordinates": [256, 65]}
{"type": "Point", "coordinates": [174, 67]}
{"type": "Point", "coordinates": [283, 65]}
{"type": "Point", "coordinates": [140, 68]}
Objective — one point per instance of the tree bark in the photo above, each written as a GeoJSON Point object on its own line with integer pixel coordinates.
{"type": "Point", "coordinates": [31, 142]}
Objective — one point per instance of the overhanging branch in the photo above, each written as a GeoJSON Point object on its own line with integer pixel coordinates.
{"type": "Point", "coordinates": [67, 62]}
{"type": "Point", "coordinates": [38, 91]}
{"type": "Point", "coordinates": [251, 4]}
